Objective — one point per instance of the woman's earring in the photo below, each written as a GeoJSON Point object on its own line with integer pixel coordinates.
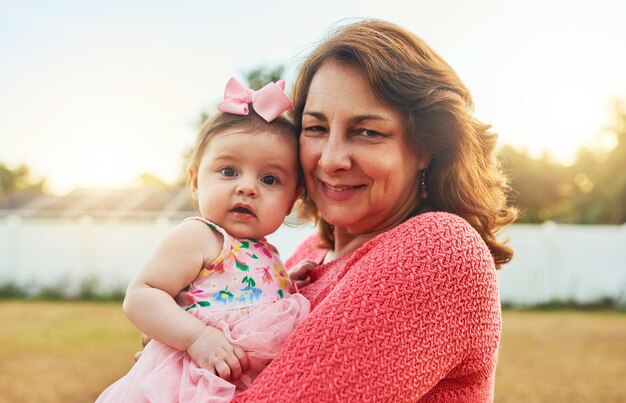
{"type": "Point", "coordinates": [423, 185]}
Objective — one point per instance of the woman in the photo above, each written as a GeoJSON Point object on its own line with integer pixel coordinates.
{"type": "Point", "coordinates": [408, 197]}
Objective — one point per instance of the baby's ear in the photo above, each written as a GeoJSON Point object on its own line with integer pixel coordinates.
{"type": "Point", "coordinates": [193, 182]}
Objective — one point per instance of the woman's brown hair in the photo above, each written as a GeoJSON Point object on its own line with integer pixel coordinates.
{"type": "Point", "coordinates": [463, 177]}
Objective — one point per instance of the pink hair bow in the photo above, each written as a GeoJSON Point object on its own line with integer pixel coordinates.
{"type": "Point", "coordinates": [269, 102]}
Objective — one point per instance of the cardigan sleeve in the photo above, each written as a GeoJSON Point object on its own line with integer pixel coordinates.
{"type": "Point", "coordinates": [414, 306]}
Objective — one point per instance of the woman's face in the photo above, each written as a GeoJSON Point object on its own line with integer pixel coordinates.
{"type": "Point", "coordinates": [358, 167]}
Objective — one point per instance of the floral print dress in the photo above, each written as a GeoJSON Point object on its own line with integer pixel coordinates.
{"type": "Point", "coordinates": [246, 293]}
{"type": "Point", "coordinates": [246, 273]}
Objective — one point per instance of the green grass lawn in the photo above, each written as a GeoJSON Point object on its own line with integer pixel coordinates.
{"type": "Point", "coordinates": [70, 351]}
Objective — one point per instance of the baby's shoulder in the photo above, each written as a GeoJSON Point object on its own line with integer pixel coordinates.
{"type": "Point", "coordinates": [204, 236]}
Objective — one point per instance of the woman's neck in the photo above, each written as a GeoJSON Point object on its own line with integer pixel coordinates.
{"type": "Point", "coordinates": [346, 242]}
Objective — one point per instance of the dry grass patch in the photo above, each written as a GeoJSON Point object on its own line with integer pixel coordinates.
{"type": "Point", "coordinates": [562, 356]}
{"type": "Point", "coordinates": [62, 351]}
{"type": "Point", "coordinates": [70, 351]}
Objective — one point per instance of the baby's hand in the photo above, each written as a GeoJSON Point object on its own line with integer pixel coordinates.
{"type": "Point", "coordinates": [145, 339]}
{"type": "Point", "coordinates": [212, 351]}
{"type": "Point", "coordinates": [299, 274]}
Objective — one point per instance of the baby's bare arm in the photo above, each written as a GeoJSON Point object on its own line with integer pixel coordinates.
{"type": "Point", "coordinates": [150, 305]}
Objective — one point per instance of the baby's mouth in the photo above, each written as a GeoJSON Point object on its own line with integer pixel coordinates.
{"type": "Point", "coordinates": [243, 211]}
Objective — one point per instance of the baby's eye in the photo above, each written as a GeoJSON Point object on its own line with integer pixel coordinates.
{"type": "Point", "coordinates": [269, 180]}
{"type": "Point", "coordinates": [228, 171]}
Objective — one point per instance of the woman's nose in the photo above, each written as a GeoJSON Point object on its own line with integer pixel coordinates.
{"type": "Point", "coordinates": [246, 187]}
{"type": "Point", "coordinates": [335, 155]}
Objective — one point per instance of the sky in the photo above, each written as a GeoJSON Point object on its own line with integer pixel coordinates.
{"type": "Point", "coordinates": [93, 94]}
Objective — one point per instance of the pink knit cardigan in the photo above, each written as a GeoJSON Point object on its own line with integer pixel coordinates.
{"type": "Point", "coordinates": [411, 315]}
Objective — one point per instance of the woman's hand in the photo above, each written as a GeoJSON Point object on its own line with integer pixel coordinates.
{"type": "Point", "coordinates": [299, 274]}
{"type": "Point", "coordinates": [212, 351]}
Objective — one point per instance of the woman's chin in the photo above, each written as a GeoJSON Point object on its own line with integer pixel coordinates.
{"type": "Point", "coordinates": [341, 217]}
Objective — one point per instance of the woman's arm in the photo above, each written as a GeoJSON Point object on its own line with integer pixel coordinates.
{"type": "Point", "coordinates": [409, 310]}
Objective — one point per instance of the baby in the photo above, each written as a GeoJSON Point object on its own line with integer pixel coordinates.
{"type": "Point", "coordinates": [215, 297]}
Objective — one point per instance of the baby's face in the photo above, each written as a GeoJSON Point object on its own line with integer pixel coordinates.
{"type": "Point", "coordinates": [246, 182]}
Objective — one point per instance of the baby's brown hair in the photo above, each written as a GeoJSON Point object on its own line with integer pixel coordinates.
{"type": "Point", "coordinates": [251, 123]}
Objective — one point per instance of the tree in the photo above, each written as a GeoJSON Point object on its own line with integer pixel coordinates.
{"type": "Point", "coordinates": [255, 79]}
{"type": "Point", "coordinates": [612, 183]}
{"type": "Point", "coordinates": [536, 183]}
{"type": "Point", "coordinates": [590, 191]}
{"type": "Point", "coordinates": [18, 179]}
{"type": "Point", "coordinates": [259, 77]}
{"type": "Point", "coordinates": [149, 180]}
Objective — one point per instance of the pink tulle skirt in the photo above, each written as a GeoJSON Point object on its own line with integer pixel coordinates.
{"type": "Point", "coordinates": [166, 375]}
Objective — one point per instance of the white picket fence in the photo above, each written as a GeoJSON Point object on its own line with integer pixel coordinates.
{"type": "Point", "coordinates": [552, 262]}
{"type": "Point", "coordinates": [581, 263]}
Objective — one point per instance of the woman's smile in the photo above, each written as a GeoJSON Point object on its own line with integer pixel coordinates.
{"type": "Point", "coordinates": [360, 171]}
{"type": "Point", "coordinates": [340, 192]}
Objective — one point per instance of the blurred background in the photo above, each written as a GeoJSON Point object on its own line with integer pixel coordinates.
{"type": "Point", "coordinates": [99, 108]}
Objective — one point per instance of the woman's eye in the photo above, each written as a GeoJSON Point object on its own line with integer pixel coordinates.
{"type": "Point", "coordinates": [228, 171]}
{"type": "Point", "coordinates": [269, 180]}
{"type": "Point", "coordinates": [314, 129]}
{"type": "Point", "coordinates": [370, 133]}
